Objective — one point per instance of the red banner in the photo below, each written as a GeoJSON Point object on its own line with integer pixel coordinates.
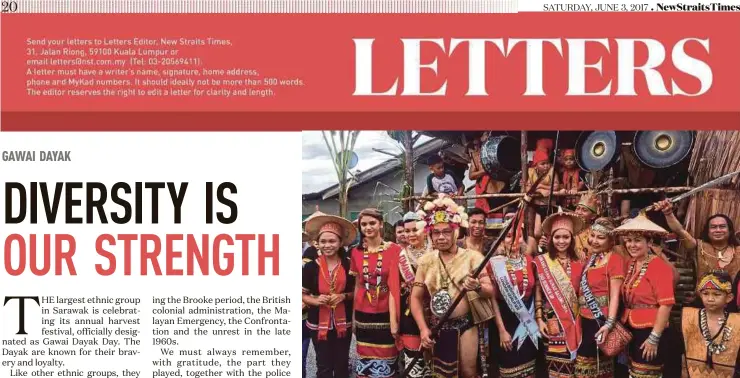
{"type": "Point", "coordinates": [300, 71]}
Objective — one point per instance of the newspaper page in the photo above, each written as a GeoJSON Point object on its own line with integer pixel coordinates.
{"type": "Point", "coordinates": [488, 188]}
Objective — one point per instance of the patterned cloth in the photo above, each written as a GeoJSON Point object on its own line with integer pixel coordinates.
{"type": "Point", "coordinates": [375, 345]}
{"type": "Point", "coordinates": [638, 366]}
{"type": "Point", "coordinates": [725, 364]}
{"type": "Point", "coordinates": [590, 362]}
{"type": "Point", "coordinates": [447, 347]}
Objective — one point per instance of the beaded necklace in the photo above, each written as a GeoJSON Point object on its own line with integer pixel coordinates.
{"type": "Point", "coordinates": [378, 268]}
{"type": "Point", "coordinates": [712, 347]}
{"type": "Point", "coordinates": [415, 253]}
{"type": "Point", "coordinates": [512, 265]}
{"type": "Point", "coordinates": [567, 265]}
{"type": "Point", "coordinates": [635, 279]}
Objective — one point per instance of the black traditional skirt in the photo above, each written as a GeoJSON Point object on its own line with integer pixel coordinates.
{"type": "Point", "coordinates": [519, 362]}
{"type": "Point", "coordinates": [376, 347]}
{"type": "Point", "coordinates": [590, 362]}
{"type": "Point", "coordinates": [638, 366]}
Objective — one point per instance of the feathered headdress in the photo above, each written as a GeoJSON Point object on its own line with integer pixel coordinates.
{"type": "Point", "coordinates": [443, 210]}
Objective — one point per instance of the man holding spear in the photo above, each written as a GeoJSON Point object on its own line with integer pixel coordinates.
{"type": "Point", "coordinates": [445, 272]}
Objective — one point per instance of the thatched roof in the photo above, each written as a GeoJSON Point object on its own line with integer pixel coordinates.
{"type": "Point", "coordinates": [716, 153]}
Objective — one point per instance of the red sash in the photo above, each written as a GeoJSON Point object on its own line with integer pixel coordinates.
{"type": "Point", "coordinates": [333, 283]}
{"type": "Point", "coordinates": [559, 291]}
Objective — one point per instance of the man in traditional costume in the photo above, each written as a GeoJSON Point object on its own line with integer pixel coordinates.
{"type": "Point", "coordinates": [717, 248]}
{"type": "Point", "coordinates": [443, 274]}
{"type": "Point", "coordinates": [588, 209]}
{"type": "Point", "coordinates": [711, 333]}
{"type": "Point", "coordinates": [477, 240]}
{"type": "Point", "coordinates": [410, 340]}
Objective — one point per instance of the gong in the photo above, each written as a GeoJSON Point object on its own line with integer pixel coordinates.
{"type": "Point", "coordinates": [596, 150]}
{"type": "Point", "coordinates": [662, 149]}
{"type": "Point", "coordinates": [501, 157]}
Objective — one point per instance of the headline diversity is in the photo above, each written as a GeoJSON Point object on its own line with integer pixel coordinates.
{"type": "Point", "coordinates": [55, 253]}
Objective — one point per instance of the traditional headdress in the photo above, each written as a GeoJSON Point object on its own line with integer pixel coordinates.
{"type": "Point", "coordinates": [542, 151]}
{"type": "Point", "coordinates": [443, 210]}
{"type": "Point", "coordinates": [589, 201]}
{"type": "Point", "coordinates": [544, 144]}
{"type": "Point", "coordinates": [318, 224]}
{"type": "Point", "coordinates": [640, 225]}
{"type": "Point", "coordinates": [717, 280]}
{"type": "Point", "coordinates": [569, 152]}
{"type": "Point", "coordinates": [563, 220]}
{"type": "Point", "coordinates": [603, 225]}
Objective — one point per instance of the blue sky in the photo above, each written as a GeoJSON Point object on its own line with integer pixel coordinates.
{"type": "Point", "coordinates": [318, 170]}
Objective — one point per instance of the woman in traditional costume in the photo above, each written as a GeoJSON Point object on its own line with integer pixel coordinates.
{"type": "Point", "coordinates": [514, 287]}
{"type": "Point", "coordinates": [718, 247]}
{"type": "Point", "coordinates": [410, 341]}
{"type": "Point", "coordinates": [327, 290]}
{"type": "Point", "coordinates": [556, 303]}
{"type": "Point", "coordinates": [374, 263]}
{"type": "Point", "coordinates": [711, 333]}
{"type": "Point", "coordinates": [599, 297]}
{"type": "Point", "coordinates": [647, 294]}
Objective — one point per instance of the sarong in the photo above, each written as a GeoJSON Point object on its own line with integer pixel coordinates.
{"type": "Point", "coordinates": [515, 363]}
{"type": "Point", "coordinates": [375, 345]}
{"type": "Point", "coordinates": [590, 362]}
{"type": "Point", "coordinates": [638, 367]}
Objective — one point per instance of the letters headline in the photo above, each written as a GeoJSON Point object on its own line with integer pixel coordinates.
{"type": "Point", "coordinates": [669, 69]}
{"type": "Point", "coordinates": [130, 254]}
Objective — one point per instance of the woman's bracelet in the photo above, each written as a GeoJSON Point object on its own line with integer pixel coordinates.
{"type": "Point", "coordinates": [610, 323]}
{"type": "Point", "coordinates": [654, 338]}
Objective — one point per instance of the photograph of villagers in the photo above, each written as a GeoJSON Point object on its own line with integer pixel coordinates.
{"type": "Point", "coordinates": [521, 254]}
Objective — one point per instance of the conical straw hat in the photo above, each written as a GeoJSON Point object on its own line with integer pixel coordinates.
{"type": "Point", "coordinates": [571, 221]}
{"type": "Point", "coordinates": [316, 222]}
{"type": "Point", "coordinates": [315, 214]}
{"type": "Point", "coordinates": [640, 225]}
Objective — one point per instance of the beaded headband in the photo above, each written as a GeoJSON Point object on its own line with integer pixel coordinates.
{"type": "Point", "coordinates": [711, 281]}
{"type": "Point", "coordinates": [332, 227]}
{"type": "Point", "coordinates": [599, 228]}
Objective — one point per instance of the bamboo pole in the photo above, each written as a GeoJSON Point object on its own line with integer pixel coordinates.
{"type": "Point", "coordinates": [674, 189]}
{"type": "Point", "coordinates": [528, 210]}
{"type": "Point", "coordinates": [525, 162]}
{"type": "Point", "coordinates": [610, 190]}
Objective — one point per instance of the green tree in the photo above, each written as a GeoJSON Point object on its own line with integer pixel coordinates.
{"type": "Point", "coordinates": [340, 145]}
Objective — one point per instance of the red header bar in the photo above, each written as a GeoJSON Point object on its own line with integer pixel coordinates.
{"type": "Point", "coordinates": [306, 63]}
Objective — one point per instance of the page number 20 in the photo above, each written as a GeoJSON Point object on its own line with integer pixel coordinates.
{"type": "Point", "coordinates": [9, 6]}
